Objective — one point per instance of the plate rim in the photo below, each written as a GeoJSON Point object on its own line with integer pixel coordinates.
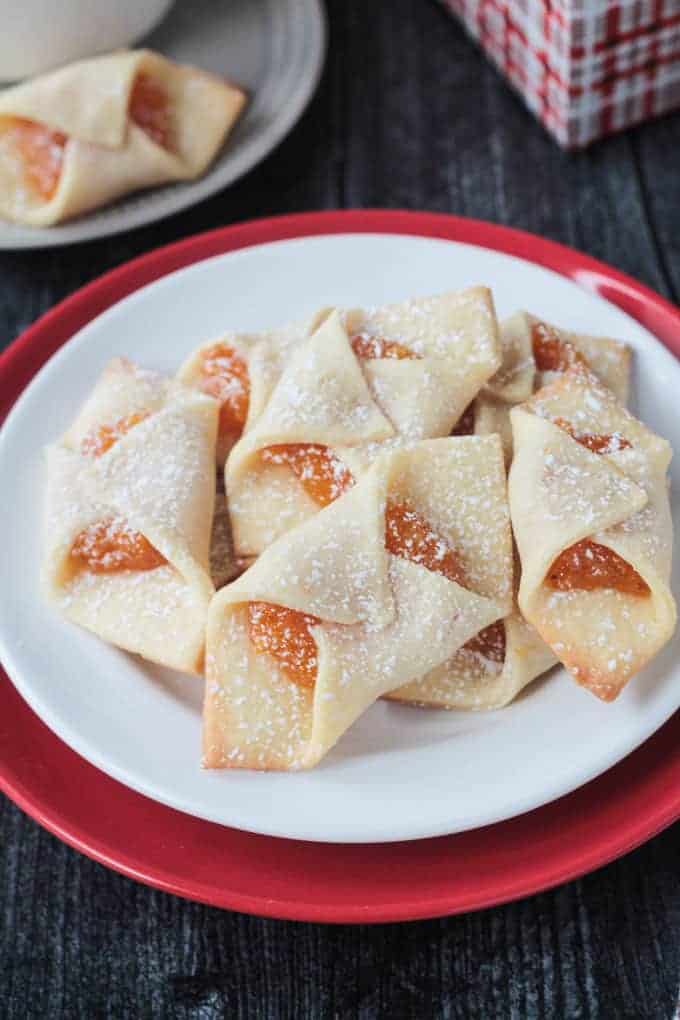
{"type": "Point", "coordinates": [205, 187]}
{"type": "Point", "coordinates": [22, 359]}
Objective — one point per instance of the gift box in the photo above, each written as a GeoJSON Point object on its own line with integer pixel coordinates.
{"type": "Point", "coordinates": [586, 68]}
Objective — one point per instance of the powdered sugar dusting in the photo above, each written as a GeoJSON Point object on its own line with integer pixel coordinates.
{"type": "Point", "coordinates": [427, 326]}
{"type": "Point", "coordinates": [323, 408]}
{"type": "Point", "coordinates": [578, 490]}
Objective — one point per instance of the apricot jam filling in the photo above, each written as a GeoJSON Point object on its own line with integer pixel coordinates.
{"type": "Point", "coordinates": [323, 475]}
{"type": "Point", "coordinates": [41, 152]}
{"type": "Point", "coordinates": [551, 353]}
{"type": "Point", "coordinates": [490, 642]}
{"type": "Point", "coordinates": [589, 566]}
{"type": "Point", "coordinates": [375, 347]}
{"type": "Point", "coordinates": [149, 109]}
{"type": "Point", "coordinates": [110, 546]}
{"type": "Point", "coordinates": [465, 426]}
{"type": "Point", "coordinates": [595, 441]}
{"type": "Point", "coordinates": [224, 375]}
{"type": "Point", "coordinates": [97, 442]}
{"type": "Point", "coordinates": [408, 535]}
{"type": "Point", "coordinates": [285, 634]}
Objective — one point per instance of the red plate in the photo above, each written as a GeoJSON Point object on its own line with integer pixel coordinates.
{"type": "Point", "coordinates": [312, 881]}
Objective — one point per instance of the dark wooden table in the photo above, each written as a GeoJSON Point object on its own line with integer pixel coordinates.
{"type": "Point", "coordinates": [408, 114]}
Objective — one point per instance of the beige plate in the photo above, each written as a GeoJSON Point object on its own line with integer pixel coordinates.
{"type": "Point", "coordinates": [272, 48]}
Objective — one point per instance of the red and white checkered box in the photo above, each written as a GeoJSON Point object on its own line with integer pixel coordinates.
{"type": "Point", "coordinates": [586, 68]}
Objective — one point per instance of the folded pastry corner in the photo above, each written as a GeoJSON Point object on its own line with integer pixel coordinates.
{"type": "Point", "coordinates": [81, 136]}
{"type": "Point", "coordinates": [534, 354]}
{"type": "Point", "coordinates": [488, 672]}
{"type": "Point", "coordinates": [425, 359]}
{"type": "Point", "coordinates": [123, 395]}
{"type": "Point", "coordinates": [283, 469]}
{"type": "Point", "coordinates": [130, 496]}
{"type": "Point", "coordinates": [363, 383]}
{"type": "Point", "coordinates": [381, 586]}
{"type": "Point", "coordinates": [590, 511]}
{"type": "Point", "coordinates": [240, 370]}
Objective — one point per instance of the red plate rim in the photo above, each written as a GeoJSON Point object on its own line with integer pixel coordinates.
{"type": "Point", "coordinates": [295, 880]}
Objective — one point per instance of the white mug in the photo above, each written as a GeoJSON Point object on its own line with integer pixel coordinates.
{"type": "Point", "coordinates": [37, 35]}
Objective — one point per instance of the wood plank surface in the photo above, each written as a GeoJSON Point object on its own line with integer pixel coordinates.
{"type": "Point", "coordinates": [408, 114]}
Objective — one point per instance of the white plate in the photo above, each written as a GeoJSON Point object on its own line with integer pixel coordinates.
{"type": "Point", "coordinates": [273, 48]}
{"type": "Point", "coordinates": [400, 773]}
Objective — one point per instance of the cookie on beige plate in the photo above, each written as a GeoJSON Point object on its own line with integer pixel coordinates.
{"type": "Point", "coordinates": [79, 137]}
